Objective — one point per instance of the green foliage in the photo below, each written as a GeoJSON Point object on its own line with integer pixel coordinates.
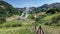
{"type": "Point", "coordinates": [26, 32]}
{"type": "Point", "coordinates": [17, 31]}
{"type": "Point", "coordinates": [12, 24]}
{"type": "Point", "coordinates": [48, 19]}
{"type": "Point", "coordinates": [2, 20]}
{"type": "Point", "coordinates": [16, 27]}
{"type": "Point", "coordinates": [31, 16]}
{"type": "Point", "coordinates": [52, 11]}
{"type": "Point", "coordinates": [55, 20]}
{"type": "Point", "coordinates": [52, 20]}
{"type": "Point", "coordinates": [7, 11]}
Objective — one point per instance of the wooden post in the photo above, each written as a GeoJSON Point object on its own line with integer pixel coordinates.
{"type": "Point", "coordinates": [35, 29]}
{"type": "Point", "coordinates": [40, 29]}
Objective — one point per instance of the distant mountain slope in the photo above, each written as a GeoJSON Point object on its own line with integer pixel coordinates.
{"type": "Point", "coordinates": [7, 8]}
{"type": "Point", "coordinates": [49, 6]}
{"type": "Point", "coordinates": [44, 7]}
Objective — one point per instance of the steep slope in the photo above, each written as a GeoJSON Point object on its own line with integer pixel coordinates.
{"type": "Point", "coordinates": [46, 7]}
{"type": "Point", "coordinates": [10, 10]}
{"type": "Point", "coordinates": [6, 10]}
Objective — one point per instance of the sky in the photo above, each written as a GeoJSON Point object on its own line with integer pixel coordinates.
{"type": "Point", "coordinates": [29, 3]}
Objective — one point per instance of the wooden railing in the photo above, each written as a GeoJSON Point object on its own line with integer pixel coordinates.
{"type": "Point", "coordinates": [39, 30]}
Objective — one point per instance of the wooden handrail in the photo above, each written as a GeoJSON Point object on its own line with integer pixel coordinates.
{"type": "Point", "coordinates": [40, 30]}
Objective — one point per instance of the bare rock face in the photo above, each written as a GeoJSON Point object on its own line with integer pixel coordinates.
{"type": "Point", "coordinates": [3, 6]}
{"type": "Point", "coordinates": [15, 17]}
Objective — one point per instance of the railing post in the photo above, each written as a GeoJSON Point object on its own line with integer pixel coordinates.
{"type": "Point", "coordinates": [39, 30]}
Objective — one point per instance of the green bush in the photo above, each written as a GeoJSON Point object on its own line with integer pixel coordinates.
{"type": "Point", "coordinates": [2, 20]}
{"type": "Point", "coordinates": [55, 20]}
{"type": "Point", "coordinates": [16, 25]}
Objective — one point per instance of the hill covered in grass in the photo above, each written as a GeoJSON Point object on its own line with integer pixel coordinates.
{"type": "Point", "coordinates": [7, 10]}
{"type": "Point", "coordinates": [17, 27]}
{"type": "Point", "coordinates": [49, 19]}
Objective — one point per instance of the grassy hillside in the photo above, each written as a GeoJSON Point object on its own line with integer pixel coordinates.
{"type": "Point", "coordinates": [12, 25]}
{"type": "Point", "coordinates": [17, 27]}
{"type": "Point", "coordinates": [26, 26]}
{"type": "Point", "coordinates": [7, 10]}
{"type": "Point", "coordinates": [49, 22]}
{"type": "Point", "coordinates": [48, 19]}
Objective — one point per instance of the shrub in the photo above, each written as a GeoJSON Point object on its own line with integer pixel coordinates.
{"type": "Point", "coordinates": [16, 25]}
{"type": "Point", "coordinates": [2, 20]}
{"type": "Point", "coordinates": [55, 20]}
{"type": "Point", "coordinates": [46, 23]}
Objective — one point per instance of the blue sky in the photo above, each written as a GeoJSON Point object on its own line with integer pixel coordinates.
{"type": "Point", "coordinates": [30, 3]}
